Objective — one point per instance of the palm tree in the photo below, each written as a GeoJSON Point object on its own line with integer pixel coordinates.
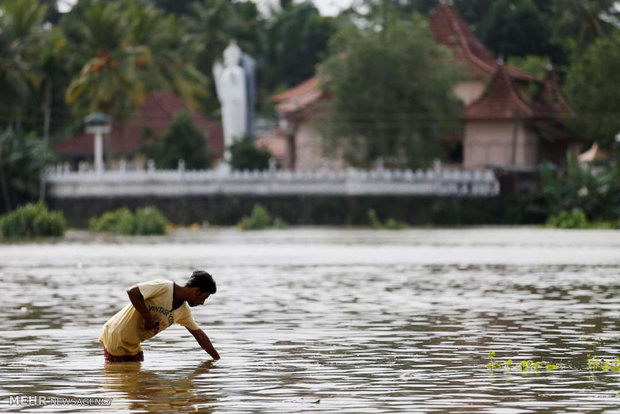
{"type": "Point", "coordinates": [584, 21]}
{"type": "Point", "coordinates": [173, 52]}
{"type": "Point", "coordinates": [21, 32]}
{"type": "Point", "coordinates": [128, 51]}
{"type": "Point", "coordinates": [109, 81]}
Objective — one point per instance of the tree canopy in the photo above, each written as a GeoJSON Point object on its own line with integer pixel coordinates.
{"type": "Point", "coordinates": [391, 93]}
{"type": "Point", "coordinates": [593, 88]}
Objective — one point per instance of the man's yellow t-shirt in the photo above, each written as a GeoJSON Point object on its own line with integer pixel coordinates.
{"type": "Point", "coordinates": [123, 333]}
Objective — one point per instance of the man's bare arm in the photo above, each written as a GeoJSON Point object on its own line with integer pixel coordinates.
{"type": "Point", "coordinates": [204, 341]}
{"type": "Point", "coordinates": [137, 300]}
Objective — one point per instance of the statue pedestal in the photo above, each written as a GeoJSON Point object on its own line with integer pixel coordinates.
{"type": "Point", "coordinates": [223, 168]}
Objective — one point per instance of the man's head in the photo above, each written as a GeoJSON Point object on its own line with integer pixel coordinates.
{"type": "Point", "coordinates": [202, 285]}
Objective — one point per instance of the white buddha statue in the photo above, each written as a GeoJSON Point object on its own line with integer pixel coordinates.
{"type": "Point", "coordinates": [230, 83]}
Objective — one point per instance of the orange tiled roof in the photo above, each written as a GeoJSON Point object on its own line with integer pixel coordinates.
{"type": "Point", "coordinates": [158, 109]}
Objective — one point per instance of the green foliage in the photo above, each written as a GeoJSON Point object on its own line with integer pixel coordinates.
{"type": "Point", "coordinates": [182, 140]}
{"type": "Point", "coordinates": [515, 28]}
{"type": "Point", "coordinates": [593, 190]}
{"type": "Point", "coordinates": [245, 156]}
{"type": "Point", "coordinates": [260, 219]}
{"type": "Point", "coordinates": [593, 89]}
{"type": "Point", "coordinates": [578, 23]}
{"type": "Point", "coordinates": [532, 64]}
{"type": "Point", "coordinates": [146, 221]}
{"type": "Point", "coordinates": [121, 221]}
{"type": "Point", "coordinates": [297, 24]}
{"type": "Point", "coordinates": [576, 219]}
{"type": "Point", "coordinates": [375, 223]}
{"type": "Point", "coordinates": [125, 49]}
{"type": "Point", "coordinates": [22, 160]}
{"type": "Point", "coordinates": [573, 219]}
{"type": "Point", "coordinates": [150, 221]}
{"type": "Point", "coordinates": [32, 220]}
{"type": "Point", "coordinates": [391, 93]}
{"type": "Point", "coordinates": [390, 223]}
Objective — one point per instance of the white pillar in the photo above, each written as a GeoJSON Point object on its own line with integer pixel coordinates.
{"type": "Point", "coordinates": [99, 152]}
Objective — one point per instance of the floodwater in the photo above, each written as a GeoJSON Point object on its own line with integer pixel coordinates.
{"type": "Point", "coordinates": [322, 320]}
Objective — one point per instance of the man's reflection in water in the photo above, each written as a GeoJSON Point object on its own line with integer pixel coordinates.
{"type": "Point", "coordinates": [148, 391]}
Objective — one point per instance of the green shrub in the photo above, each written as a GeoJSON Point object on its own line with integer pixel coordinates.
{"type": "Point", "coordinates": [593, 190]}
{"type": "Point", "coordinates": [576, 219]}
{"type": "Point", "coordinates": [150, 220]}
{"type": "Point", "coordinates": [121, 221]}
{"type": "Point", "coordinates": [279, 224]}
{"type": "Point", "coordinates": [573, 219]}
{"type": "Point", "coordinates": [260, 219]}
{"type": "Point", "coordinates": [245, 156]}
{"type": "Point", "coordinates": [182, 140]}
{"type": "Point", "coordinates": [32, 220]}
{"type": "Point", "coordinates": [146, 221]}
{"type": "Point", "coordinates": [390, 224]}
{"type": "Point", "coordinates": [375, 223]}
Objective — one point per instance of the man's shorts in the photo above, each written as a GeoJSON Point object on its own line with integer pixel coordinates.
{"type": "Point", "coordinates": [124, 358]}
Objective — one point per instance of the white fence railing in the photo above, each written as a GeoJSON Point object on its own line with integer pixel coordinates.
{"type": "Point", "coordinates": [164, 183]}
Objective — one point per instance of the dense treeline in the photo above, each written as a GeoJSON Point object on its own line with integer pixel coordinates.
{"type": "Point", "coordinates": [107, 55]}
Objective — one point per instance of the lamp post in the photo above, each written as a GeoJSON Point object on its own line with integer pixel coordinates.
{"type": "Point", "coordinates": [98, 124]}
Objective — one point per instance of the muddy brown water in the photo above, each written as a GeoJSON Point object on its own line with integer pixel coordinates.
{"type": "Point", "coordinates": [323, 320]}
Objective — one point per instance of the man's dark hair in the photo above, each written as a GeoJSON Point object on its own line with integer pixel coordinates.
{"type": "Point", "coordinates": [203, 281]}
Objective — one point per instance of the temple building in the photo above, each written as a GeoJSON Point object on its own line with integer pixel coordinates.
{"type": "Point", "coordinates": [123, 146]}
{"type": "Point", "coordinates": [511, 118]}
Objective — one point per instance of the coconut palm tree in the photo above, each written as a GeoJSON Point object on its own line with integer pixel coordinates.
{"type": "Point", "coordinates": [109, 80]}
{"type": "Point", "coordinates": [129, 48]}
{"type": "Point", "coordinates": [21, 33]}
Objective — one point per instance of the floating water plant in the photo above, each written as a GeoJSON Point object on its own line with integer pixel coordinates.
{"type": "Point", "coordinates": [595, 364]}
{"type": "Point", "coordinates": [526, 365]}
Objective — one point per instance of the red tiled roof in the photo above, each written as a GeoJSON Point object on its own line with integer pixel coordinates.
{"type": "Point", "coordinates": [501, 101]}
{"type": "Point", "coordinates": [156, 113]}
{"type": "Point", "coordinates": [451, 30]}
{"type": "Point", "coordinates": [300, 96]}
{"type": "Point", "coordinates": [550, 101]}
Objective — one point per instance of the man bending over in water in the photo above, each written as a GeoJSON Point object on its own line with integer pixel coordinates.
{"type": "Point", "coordinates": [156, 305]}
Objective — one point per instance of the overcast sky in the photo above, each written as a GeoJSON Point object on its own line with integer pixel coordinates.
{"type": "Point", "coordinates": [326, 7]}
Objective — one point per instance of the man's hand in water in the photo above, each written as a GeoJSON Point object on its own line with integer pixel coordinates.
{"type": "Point", "coordinates": [205, 342]}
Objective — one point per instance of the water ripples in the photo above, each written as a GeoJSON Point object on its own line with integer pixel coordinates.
{"type": "Point", "coordinates": [358, 322]}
